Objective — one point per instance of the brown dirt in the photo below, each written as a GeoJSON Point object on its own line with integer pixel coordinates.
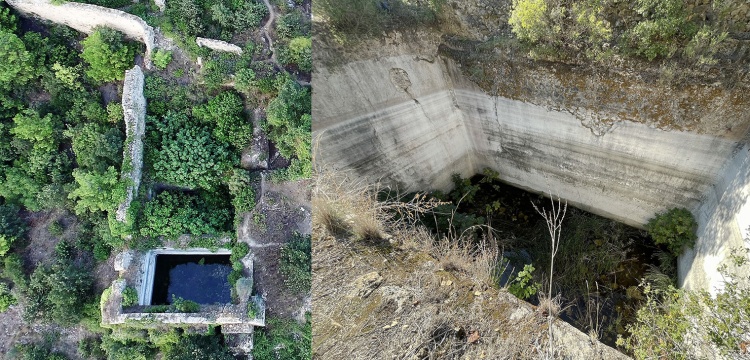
{"type": "Point", "coordinates": [281, 210]}
{"type": "Point", "coordinates": [40, 251]}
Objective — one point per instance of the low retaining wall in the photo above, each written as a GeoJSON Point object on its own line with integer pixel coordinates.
{"type": "Point", "coordinates": [85, 17]}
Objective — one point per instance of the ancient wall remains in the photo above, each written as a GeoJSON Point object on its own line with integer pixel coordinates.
{"type": "Point", "coordinates": [134, 109]}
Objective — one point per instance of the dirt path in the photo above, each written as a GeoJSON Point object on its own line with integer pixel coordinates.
{"type": "Point", "coordinates": [266, 27]}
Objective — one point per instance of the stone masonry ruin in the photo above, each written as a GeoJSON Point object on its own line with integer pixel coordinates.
{"type": "Point", "coordinates": [134, 109]}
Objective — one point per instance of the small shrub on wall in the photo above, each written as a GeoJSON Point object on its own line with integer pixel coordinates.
{"type": "Point", "coordinates": [674, 228]}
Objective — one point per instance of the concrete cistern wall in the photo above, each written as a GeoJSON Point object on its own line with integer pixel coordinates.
{"type": "Point", "coordinates": [412, 122]}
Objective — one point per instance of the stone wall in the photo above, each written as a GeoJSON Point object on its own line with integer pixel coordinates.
{"type": "Point", "coordinates": [412, 118]}
{"type": "Point", "coordinates": [85, 17]}
{"type": "Point", "coordinates": [134, 109]}
{"type": "Point", "coordinates": [218, 45]}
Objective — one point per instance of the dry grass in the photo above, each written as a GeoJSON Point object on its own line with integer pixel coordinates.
{"type": "Point", "coordinates": [436, 300]}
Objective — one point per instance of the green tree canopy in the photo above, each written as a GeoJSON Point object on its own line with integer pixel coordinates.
{"type": "Point", "coordinates": [17, 67]}
{"type": "Point", "coordinates": [108, 57]}
{"type": "Point", "coordinates": [40, 131]}
{"type": "Point", "coordinates": [96, 147]}
{"type": "Point", "coordinates": [224, 113]}
{"type": "Point", "coordinates": [97, 191]}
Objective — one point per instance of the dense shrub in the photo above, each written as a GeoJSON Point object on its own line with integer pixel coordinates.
{"type": "Point", "coordinates": [97, 191]}
{"type": "Point", "coordinates": [17, 66]}
{"type": "Point", "coordinates": [36, 352]}
{"type": "Point", "coordinates": [664, 26]}
{"type": "Point", "coordinates": [129, 296]}
{"type": "Point", "coordinates": [295, 263]}
{"type": "Point", "coordinates": [298, 52]}
{"type": "Point", "coordinates": [223, 113]}
{"type": "Point", "coordinates": [12, 227]}
{"type": "Point", "coordinates": [172, 214]}
{"type": "Point", "coordinates": [40, 131]}
{"type": "Point", "coordinates": [162, 58]}
{"type": "Point", "coordinates": [96, 147]}
{"type": "Point", "coordinates": [108, 57]}
{"type": "Point", "coordinates": [283, 339]}
{"type": "Point", "coordinates": [289, 123]}
{"type": "Point", "coordinates": [59, 293]}
{"type": "Point", "coordinates": [185, 306]}
{"type": "Point", "coordinates": [13, 270]}
{"type": "Point", "coordinates": [241, 188]}
{"type": "Point", "coordinates": [191, 347]}
{"type": "Point", "coordinates": [674, 228]}
{"type": "Point", "coordinates": [188, 155]}
{"type": "Point", "coordinates": [559, 31]}
{"type": "Point", "coordinates": [6, 298]}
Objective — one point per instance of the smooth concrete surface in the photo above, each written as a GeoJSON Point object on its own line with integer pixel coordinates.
{"type": "Point", "coordinates": [413, 129]}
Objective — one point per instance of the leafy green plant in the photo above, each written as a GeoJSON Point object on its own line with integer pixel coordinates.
{"type": "Point", "coordinates": [108, 57]}
{"type": "Point", "coordinates": [172, 214]}
{"type": "Point", "coordinates": [664, 27]}
{"type": "Point", "coordinates": [523, 286]}
{"type": "Point", "coordinates": [295, 263]}
{"type": "Point", "coordinates": [188, 155]}
{"type": "Point", "coordinates": [284, 339]}
{"type": "Point", "coordinates": [17, 61]}
{"type": "Point", "coordinates": [223, 113]}
{"type": "Point", "coordinates": [162, 58]}
{"type": "Point", "coordinates": [674, 228]}
{"type": "Point", "coordinates": [97, 191]}
{"type": "Point", "coordinates": [55, 228]}
{"type": "Point", "coordinates": [185, 306]}
{"type": "Point", "coordinates": [289, 124]}
{"type": "Point", "coordinates": [252, 309]}
{"type": "Point", "coordinates": [6, 298]}
{"type": "Point", "coordinates": [129, 297]}
{"type": "Point", "coordinates": [36, 352]}
{"type": "Point", "coordinates": [12, 227]}
{"type": "Point", "coordinates": [96, 146]}
{"type": "Point", "coordinates": [59, 293]}
{"type": "Point", "coordinates": [194, 346]}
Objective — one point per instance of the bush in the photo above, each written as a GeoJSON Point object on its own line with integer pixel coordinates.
{"type": "Point", "coordinates": [129, 297]}
{"type": "Point", "coordinates": [289, 122]}
{"type": "Point", "coordinates": [300, 52]}
{"type": "Point", "coordinates": [17, 66]}
{"type": "Point", "coordinates": [96, 147]}
{"type": "Point", "coordinates": [91, 348]}
{"type": "Point", "coordinates": [185, 306]}
{"type": "Point", "coordinates": [40, 131]}
{"type": "Point", "coordinates": [557, 31]}
{"type": "Point", "coordinates": [662, 30]}
{"type": "Point", "coordinates": [6, 298]}
{"type": "Point", "coordinates": [188, 155]}
{"type": "Point", "coordinates": [191, 347]}
{"type": "Point", "coordinates": [108, 57]}
{"type": "Point", "coordinates": [59, 293]}
{"type": "Point", "coordinates": [295, 263]}
{"type": "Point", "coordinates": [36, 352]}
{"type": "Point", "coordinates": [97, 191]}
{"type": "Point", "coordinates": [14, 270]}
{"type": "Point", "coordinates": [162, 58]}
{"type": "Point", "coordinates": [172, 214]}
{"type": "Point", "coordinates": [12, 227]}
{"type": "Point", "coordinates": [674, 228]}
{"type": "Point", "coordinates": [223, 113]}
{"type": "Point", "coordinates": [241, 188]}
{"type": "Point", "coordinates": [283, 339]}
